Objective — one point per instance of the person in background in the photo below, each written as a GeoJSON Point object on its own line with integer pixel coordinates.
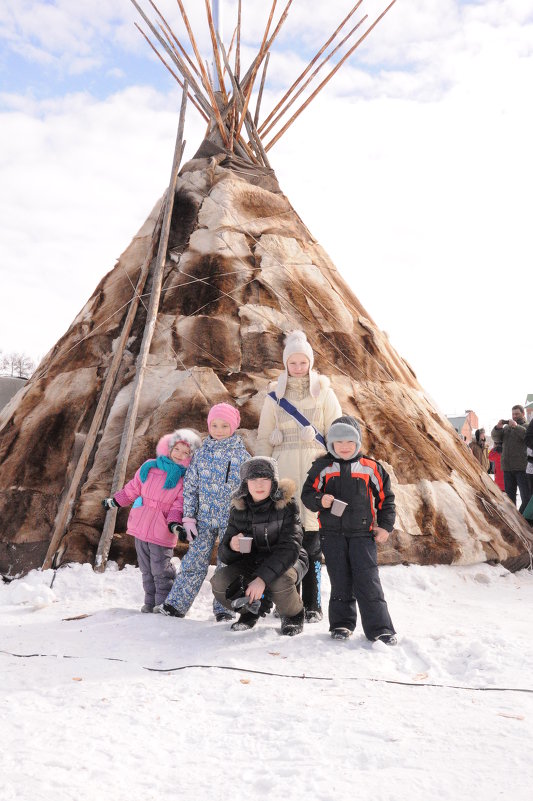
{"type": "Point", "coordinates": [479, 449]}
{"type": "Point", "coordinates": [529, 453]}
{"type": "Point", "coordinates": [297, 411]}
{"type": "Point", "coordinates": [495, 456]}
{"type": "Point", "coordinates": [511, 434]}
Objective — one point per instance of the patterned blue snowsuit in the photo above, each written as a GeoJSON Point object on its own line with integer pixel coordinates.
{"type": "Point", "coordinates": [209, 482]}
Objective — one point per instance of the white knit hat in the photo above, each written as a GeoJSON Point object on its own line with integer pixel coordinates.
{"type": "Point", "coordinates": [296, 342]}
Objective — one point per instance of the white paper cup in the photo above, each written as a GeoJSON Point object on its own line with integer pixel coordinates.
{"type": "Point", "coordinates": [245, 544]}
{"type": "Point", "coordinates": [338, 507]}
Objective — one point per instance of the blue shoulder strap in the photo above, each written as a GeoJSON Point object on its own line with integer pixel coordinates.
{"type": "Point", "coordinates": [298, 416]}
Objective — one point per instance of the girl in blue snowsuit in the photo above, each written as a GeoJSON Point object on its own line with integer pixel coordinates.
{"type": "Point", "coordinates": [210, 480]}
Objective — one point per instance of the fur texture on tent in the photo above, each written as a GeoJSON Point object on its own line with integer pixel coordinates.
{"type": "Point", "coordinates": [241, 270]}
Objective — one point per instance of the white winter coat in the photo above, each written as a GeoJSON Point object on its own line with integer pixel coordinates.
{"type": "Point", "coordinates": [295, 455]}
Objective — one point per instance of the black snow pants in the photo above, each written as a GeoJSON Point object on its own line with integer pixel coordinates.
{"type": "Point", "coordinates": [311, 581]}
{"type": "Point", "coordinates": [352, 565]}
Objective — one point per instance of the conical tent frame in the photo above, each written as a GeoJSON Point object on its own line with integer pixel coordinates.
{"type": "Point", "coordinates": [222, 269]}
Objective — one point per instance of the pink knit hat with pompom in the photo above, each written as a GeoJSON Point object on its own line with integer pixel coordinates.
{"type": "Point", "coordinates": [223, 411]}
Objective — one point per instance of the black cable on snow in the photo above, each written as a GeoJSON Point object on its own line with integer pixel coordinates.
{"type": "Point", "coordinates": [287, 675]}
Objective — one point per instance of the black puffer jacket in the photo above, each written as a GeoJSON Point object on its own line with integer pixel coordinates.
{"type": "Point", "coordinates": [362, 483]}
{"type": "Point", "coordinates": [277, 532]}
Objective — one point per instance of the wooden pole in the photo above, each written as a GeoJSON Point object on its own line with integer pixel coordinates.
{"type": "Point", "coordinates": [261, 87]}
{"type": "Point", "coordinates": [216, 54]}
{"type": "Point", "coordinates": [171, 33]}
{"type": "Point", "coordinates": [65, 509]}
{"type": "Point", "coordinates": [306, 70]}
{"type": "Point", "coordinates": [160, 57]}
{"type": "Point", "coordinates": [238, 45]}
{"type": "Point", "coordinates": [256, 63]}
{"type": "Point", "coordinates": [131, 417]}
{"type": "Point", "coordinates": [256, 66]}
{"type": "Point", "coordinates": [208, 88]}
{"type": "Point", "coordinates": [328, 78]}
{"type": "Point", "coordinates": [206, 105]}
{"type": "Point", "coordinates": [250, 127]}
{"type": "Point", "coordinates": [231, 45]}
{"type": "Point", "coordinates": [304, 86]}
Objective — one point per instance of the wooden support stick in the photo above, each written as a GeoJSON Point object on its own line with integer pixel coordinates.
{"type": "Point", "coordinates": [250, 127]}
{"type": "Point", "coordinates": [256, 63]}
{"type": "Point", "coordinates": [131, 418]}
{"type": "Point", "coordinates": [216, 54]}
{"type": "Point", "coordinates": [231, 46]}
{"type": "Point", "coordinates": [304, 86]}
{"type": "Point", "coordinates": [327, 79]}
{"type": "Point", "coordinates": [207, 85]}
{"type": "Point", "coordinates": [306, 70]}
{"type": "Point", "coordinates": [238, 47]}
{"type": "Point", "coordinates": [160, 57]}
{"type": "Point", "coordinates": [261, 87]}
{"type": "Point", "coordinates": [256, 66]}
{"type": "Point", "coordinates": [177, 41]}
{"type": "Point", "coordinates": [66, 506]}
{"type": "Point", "coordinates": [206, 105]}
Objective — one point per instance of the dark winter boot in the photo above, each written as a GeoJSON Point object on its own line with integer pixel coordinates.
{"type": "Point", "coordinates": [341, 633]}
{"type": "Point", "coordinates": [247, 620]}
{"type": "Point", "coordinates": [223, 617]}
{"type": "Point", "coordinates": [290, 626]}
{"type": "Point", "coordinates": [311, 592]}
{"type": "Point", "coordinates": [171, 611]}
{"type": "Point", "coordinates": [387, 637]}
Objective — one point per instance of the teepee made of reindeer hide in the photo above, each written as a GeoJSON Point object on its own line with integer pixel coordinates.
{"type": "Point", "coordinates": [239, 270]}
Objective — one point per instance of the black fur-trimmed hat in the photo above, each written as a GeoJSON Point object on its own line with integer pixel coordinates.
{"type": "Point", "coordinates": [258, 467]}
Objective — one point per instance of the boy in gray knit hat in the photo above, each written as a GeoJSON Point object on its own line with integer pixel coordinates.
{"type": "Point", "coordinates": [355, 504]}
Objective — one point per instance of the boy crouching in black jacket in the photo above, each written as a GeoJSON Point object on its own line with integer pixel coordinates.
{"type": "Point", "coordinates": [264, 510]}
{"type": "Point", "coordinates": [349, 541]}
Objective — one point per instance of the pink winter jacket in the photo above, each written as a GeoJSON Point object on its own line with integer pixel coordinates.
{"type": "Point", "coordinates": [160, 507]}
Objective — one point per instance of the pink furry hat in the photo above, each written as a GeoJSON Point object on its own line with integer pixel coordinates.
{"type": "Point", "coordinates": [223, 411]}
{"type": "Point", "coordinates": [186, 435]}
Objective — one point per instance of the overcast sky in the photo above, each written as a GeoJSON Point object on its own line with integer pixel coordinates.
{"type": "Point", "coordinates": [413, 169]}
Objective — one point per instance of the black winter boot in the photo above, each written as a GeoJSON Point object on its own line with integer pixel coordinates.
{"type": "Point", "coordinates": [246, 620]}
{"type": "Point", "coordinates": [293, 625]}
{"type": "Point", "coordinates": [341, 633]}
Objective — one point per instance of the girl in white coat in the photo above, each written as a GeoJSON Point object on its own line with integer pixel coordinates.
{"type": "Point", "coordinates": [298, 411]}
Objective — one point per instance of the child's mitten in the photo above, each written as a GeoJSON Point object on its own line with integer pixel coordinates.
{"type": "Point", "coordinates": [110, 503]}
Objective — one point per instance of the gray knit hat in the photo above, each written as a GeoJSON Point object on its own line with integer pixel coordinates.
{"type": "Point", "coordinates": [258, 467]}
{"type": "Point", "coordinates": [344, 429]}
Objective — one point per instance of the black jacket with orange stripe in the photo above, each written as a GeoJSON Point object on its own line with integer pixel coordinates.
{"type": "Point", "coordinates": [362, 483]}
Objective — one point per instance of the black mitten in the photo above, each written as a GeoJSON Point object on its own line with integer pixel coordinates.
{"type": "Point", "coordinates": [110, 503]}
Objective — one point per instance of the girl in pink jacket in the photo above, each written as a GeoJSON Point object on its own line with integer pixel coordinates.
{"type": "Point", "coordinates": [156, 492]}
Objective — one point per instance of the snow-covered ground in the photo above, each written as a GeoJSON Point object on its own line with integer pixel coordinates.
{"type": "Point", "coordinates": [83, 716]}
